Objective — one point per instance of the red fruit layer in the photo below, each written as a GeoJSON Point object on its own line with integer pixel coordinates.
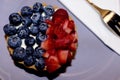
{"type": "Point", "coordinates": [61, 41]}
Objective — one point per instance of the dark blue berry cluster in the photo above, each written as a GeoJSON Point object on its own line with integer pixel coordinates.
{"type": "Point", "coordinates": [25, 31]}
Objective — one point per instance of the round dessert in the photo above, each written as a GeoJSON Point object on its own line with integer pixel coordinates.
{"type": "Point", "coordinates": [41, 37]}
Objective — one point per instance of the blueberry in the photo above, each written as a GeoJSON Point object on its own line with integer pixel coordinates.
{"type": "Point", "coordinates": [45, 17]}
{"type": "Point", "coordinates": [36, 18]}
{"type": "Point", "coordinates": [14, 41]}
{"type": "Point", "coordinates": [38, 52]}
{"type": "Point", "coordinates": [27, 21]}
{"type": "Point", "coordinates": [29, 41]}
{"type": "Point", "coordinates": [43, 27]}
{"type": "Point", "coordinates": [40, 37]}
{"type": "Point", "coordinates": [38, 7]}
{"type": "Point", "coordinates": [34, 29]}
{"type": "Point", "coordinates": [40, 64]}
{"type": "Point", "coordinates": [29, 61]}
{"type": "Point", "coordinates": [49, 10]}
{"type": "Point", "coordinates": [29, 50]}
{"type": "Point", "coordinates": [15, 19]}
{"type": "Point", "coordinates": [26, 11]}
{"type": "Point", "coordinates": [19, 54]}
{"type": "Point", "coordinates": [23, 32]}
{"type": "Point", "coordinates": [9, 29]}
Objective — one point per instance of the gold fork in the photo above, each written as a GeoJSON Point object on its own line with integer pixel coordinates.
{"type": "Point", "coordinates": [110, 18]}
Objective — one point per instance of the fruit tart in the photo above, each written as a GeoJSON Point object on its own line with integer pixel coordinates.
{"type": "Point", "coordinates": [41, 37]}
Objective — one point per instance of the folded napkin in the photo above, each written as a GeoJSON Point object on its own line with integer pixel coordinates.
{"type": "Point", "coordinates": [89, 16]}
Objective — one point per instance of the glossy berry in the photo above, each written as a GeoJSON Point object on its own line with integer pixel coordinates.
{"type": "Point", "coordinates": [38, 52]}
{"type": "Point", "coordinates": [43, 27]}
{"type": "Point", "coordinates": [29, 61]}
{"type": "Point", "coordinates": [34, 29]}
{"type": "Point", "coordinates": [15, 19]}
{"type": "Point", "coordinates": [36, 18]}
{"type": "Point", "coordinates": [29, 50]}
{"type": "Point", "coordinates": [9, 29]}
{"type": "Point", "coordinates": [14, 41]}
{"type": "Point", "coordinates": [40, 37]}
{"type": "Point", "coordinates": [26, 21]}
{"type": "Point", "coordinates": [49, 10]}
{"type": "Point", "coordinates": [29, 41]}
{"type": "Point", "coordinates": [26, 11]}
{"type": "Point", "coordinates": [38, 7]}
{"type": "Point", "coordinates": [45, 17]}
{"type": "Point", "coordinates": [19, 54]}
{"type": "Point", "coordinates": [23, 32]}
{"type": "Point", "coordinates": [40, 64]}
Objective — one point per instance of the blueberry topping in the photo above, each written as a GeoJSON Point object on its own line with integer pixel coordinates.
{"type": "Point", "coordinates": [43, 27]}
{"type": "Point", "coordinates": [29, 41]}
{"type": "Point", "coordinates": [9, 29]}
{"type": "Point", "coordinates": [14, 41]}
{"type": "Point", "coordinates": [40, 64]}
{"type": "Point", "coordinates": [23, 32]}
{"type": "Point", "coordinates": [26, 11]}
{"type": "Point", "coordinates": [29, 61]}
{"type": "Point", "coordinates": [29, 50]}
{"type": "Point", "coordinates": [15, 19]}
{"type": "Point", "coordinates": [49, 10]}
{"type": "Point", "coordinates": [38, 52]}
{"type": "Point", "coordinates": [27, 21]}
{"type": "Point", "coordinates": [38, 7]}
{"type": "Point", "coordinates": [28, 29]}
{"type": "Point", "coordinates": [34, 29]}
{"type": "Point", "coordinates": [36, 18]}
{"type": "Point", "coordinates": [40, 37]}
{"type": "Point", "coordinates": [19, 54]}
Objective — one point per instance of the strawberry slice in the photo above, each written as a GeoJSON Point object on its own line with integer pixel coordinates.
{"type": "Point", "coordinates": [48, 44]}
{"type": "Point", "coordinates": [50, 32]}
{"type": "Point", "coordinates": [61, 12]}
{"type": "Point", "coordinates": [49, 22]}
{"type": "Point", "coordinates": [73, 46]}
{"type": "Point", "coordinates": [74, 37]}
{"type": "Point", "coordinates": [59, 16]}
{"type": "Point", "coordinates": [63, 56]}
{"type": "Point", "coordinates": [59, 32]}
{"type": "Point", "coordinates": [62, 43]}
{"type": "Point", "coordinates": [46, 55]}
{"type": "Point", "coordinates": [51, 52]}
{"type": "Point", "coordinates": [70, 57]}
{"type": "Point", "coordinates": [52, 60]}
{"type": "Point", "coordinates": [71, 25]}
{"type": "Point", "coordinates": [53, 67]}
{"type": "Point", "coordinates": [66, 27]}
{"type": "Point", "coordinates": [52, 64]}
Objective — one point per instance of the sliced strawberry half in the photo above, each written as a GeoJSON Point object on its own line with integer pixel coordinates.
{"type": "Point", "coordinates": [53, 67]}
{"type": "Point", "coordinates": [52, 64]}
{"type": "Point", "coordinates": [74, 37]}
{"type": "Point", "coordinates": [59, 32]}
{"type": "Point", "coordinates": [62, 43]}
{"type": "Point", "coordinates": [63, 56]}
{"type": "Point", "coordinates": [46, 55]}
{"type": "Point", "coordinates": [71, 25]}
{"type": "Point", "coordinates": [48, 44]}
{"type": "Point", "coordinates": [66, 27]}
{"type": "Point", "coordinates": [73, 46]}
{"type": "Point", "coordinates": [59, 16]}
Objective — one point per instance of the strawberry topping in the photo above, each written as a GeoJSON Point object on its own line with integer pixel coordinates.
{"type": "Point", "coordinates": [61, 41]}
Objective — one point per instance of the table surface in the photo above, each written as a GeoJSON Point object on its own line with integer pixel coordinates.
{"type": "Point", "coordinates": [93, 60]}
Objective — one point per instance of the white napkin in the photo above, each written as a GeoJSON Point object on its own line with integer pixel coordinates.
{"type": "Point", "coordinates": [89, 16]}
